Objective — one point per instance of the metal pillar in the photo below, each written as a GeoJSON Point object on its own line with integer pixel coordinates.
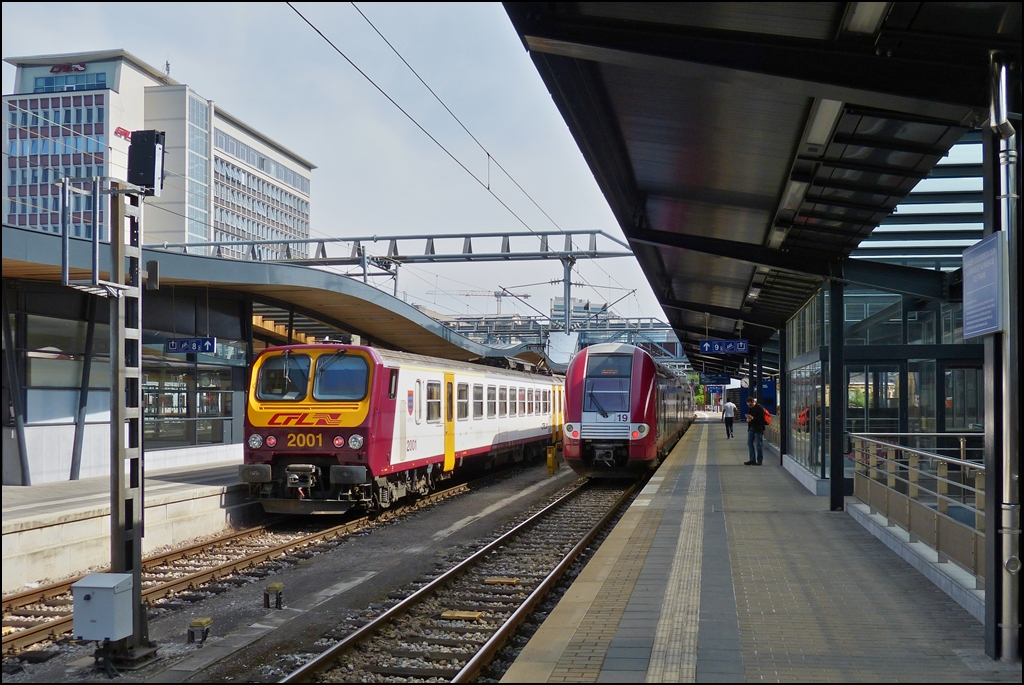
{"type": "Point", "coordinates": [783, 385]}
{"type": "Point", "coordinates": [83, 394]}
{"type": "Point", "coordinates": [758, 373]}
{"type": "Point", "coordinates": [11, 359]}
{"type": "Point", "coordinates": [837, 396]}
{"type": "Point", "coordinates": [127, 498]}
{"type": "Point", "coordinates": [567, 267]}
{"type": "Point", "coordinates": [1002, 382]}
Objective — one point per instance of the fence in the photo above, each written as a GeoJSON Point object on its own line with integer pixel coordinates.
{"type": "Point", "coordinates": [938, 499]}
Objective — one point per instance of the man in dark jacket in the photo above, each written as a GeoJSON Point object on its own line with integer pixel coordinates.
{"type": "Point", "coordinates": [755, 432]}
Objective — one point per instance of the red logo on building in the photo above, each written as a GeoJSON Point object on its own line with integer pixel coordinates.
{"type": "Point", "coordinates": [124, 133]}
{"type": "Point", "coordinates": [66, 68]}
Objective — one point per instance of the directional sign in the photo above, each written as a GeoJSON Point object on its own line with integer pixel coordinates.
{"type": "Point", "coordinates": [713, 389]}
{"type": "Point", "coordinates": [191, 345]}
{"type": "Point", "coordinates": [724, 347]}
{"type": "Point", "coordinates": [715, 378]}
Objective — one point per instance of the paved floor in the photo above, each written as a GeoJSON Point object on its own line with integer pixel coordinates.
{"type": "Point", "coordinates": [721, 572]}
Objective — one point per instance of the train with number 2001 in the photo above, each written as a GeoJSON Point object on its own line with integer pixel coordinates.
{"type": "Point", "coordinates": [329, 427]}
{"type": "Point", "coordinates": [624, 411]}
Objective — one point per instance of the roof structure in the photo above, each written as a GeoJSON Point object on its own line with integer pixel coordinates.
{"type": "Point", "coordinates": [746, 149]}
{"type": "Point", "coordinates": [342, 302]}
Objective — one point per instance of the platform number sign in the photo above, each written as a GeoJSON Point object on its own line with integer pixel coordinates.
{"type": "Point", "coordinates": [191, 345]}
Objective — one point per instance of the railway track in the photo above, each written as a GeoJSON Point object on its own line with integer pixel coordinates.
{"type": "Point", "coordinates": [45, 613]}
{"type": "Point", "coordinates": [454, 625]}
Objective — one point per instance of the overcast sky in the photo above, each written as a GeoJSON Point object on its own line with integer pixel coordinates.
{"type": "Point", "coordinates": [377, 174]}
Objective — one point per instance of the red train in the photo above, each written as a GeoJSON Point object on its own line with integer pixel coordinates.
{"type": "Point", "coordinates": [623, 411]}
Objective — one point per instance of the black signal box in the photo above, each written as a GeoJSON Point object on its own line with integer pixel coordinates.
{"type": "Point", "coordinates": [146, 161]}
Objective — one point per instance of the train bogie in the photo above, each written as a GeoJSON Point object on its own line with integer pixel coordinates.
{"type": "Point", "coordinates": [331, 427]}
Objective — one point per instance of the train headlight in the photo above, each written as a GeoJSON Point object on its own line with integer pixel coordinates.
{"type": "Point", "coordinates": [642, 428]}
{"type": "Point", "coordinates": [568, 428]}
{"type": "Point", "coordinates": [255, 441]}
{"type": "Point", "coordinates": [271, 441]}
{"type": "Point", "coordinates": [339, 442]}
{"type": "Point", "coordinates": [636, 434]}
{"type": "Point", "coordinates": [355, 441]}
{"type": "Point", "coordinates": [575, 434]}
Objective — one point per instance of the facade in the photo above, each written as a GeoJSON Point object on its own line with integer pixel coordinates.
{"type": "Point", "coordinates": [71, 116]}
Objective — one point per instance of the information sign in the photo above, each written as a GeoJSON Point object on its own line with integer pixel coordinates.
{"type": "Point", "coordinates": [191, 345]}
{"type": "Point", "coordinates": [724, 347]}
{"type": "Point", "coordinates": [985, 286]}
{"type": "Point", "coordinates": [715, 379]}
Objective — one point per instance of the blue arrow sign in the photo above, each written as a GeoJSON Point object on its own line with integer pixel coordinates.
{"type": "Point", "coordinates": [191, 345]}
{"type": "Point", "coordinates": [724, 346]}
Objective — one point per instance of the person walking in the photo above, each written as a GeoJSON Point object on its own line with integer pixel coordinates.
{"type": "Point", "coordinates": [729, 415]}
{"type": "Point", "coordinates": [755, 432]}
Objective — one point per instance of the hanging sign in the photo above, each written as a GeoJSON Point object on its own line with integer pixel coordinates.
{"type": "Point", "coordinates": [724, 347]}
{"type": "Point", "coordinates": [191, 345]}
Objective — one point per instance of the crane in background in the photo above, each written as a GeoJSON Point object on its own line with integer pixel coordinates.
{"type": "Point", "coordinates": [496, 294]}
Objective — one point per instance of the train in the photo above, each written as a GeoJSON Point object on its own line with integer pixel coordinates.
{"type": "Point", "coordinates": [330, 427]}
{"type": "Point", "coordinates": [624, 411]}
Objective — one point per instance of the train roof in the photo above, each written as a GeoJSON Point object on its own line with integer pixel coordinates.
{"type": "Point", "coordinates": [393, 357]}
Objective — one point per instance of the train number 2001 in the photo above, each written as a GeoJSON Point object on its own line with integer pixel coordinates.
{"type": "Point", "coordinates": [305, 440]}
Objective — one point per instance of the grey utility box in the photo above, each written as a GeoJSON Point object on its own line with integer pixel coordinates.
{"type": "Point", "coordinates": [103, 606]}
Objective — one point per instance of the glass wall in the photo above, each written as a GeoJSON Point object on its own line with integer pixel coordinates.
{"type": "Point", "coordinates": [806, 392]}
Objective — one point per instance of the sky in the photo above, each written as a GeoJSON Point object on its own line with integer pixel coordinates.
{"type": "Point", "coordinates": [377, 173]}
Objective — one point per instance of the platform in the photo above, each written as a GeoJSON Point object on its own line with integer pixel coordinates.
{"type": "Point", "coordinates": [52, 530]}
{"type": "Point", "coordinates": [721, 572]}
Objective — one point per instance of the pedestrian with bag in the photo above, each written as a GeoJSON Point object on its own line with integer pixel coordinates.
{"type": "Point", "coordinates": [757, 419]}
{"type": "Point", "coordinates": [729, 415]}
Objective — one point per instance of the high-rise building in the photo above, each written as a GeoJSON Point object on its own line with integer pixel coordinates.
{"type": "Point", "coordinates": [72, 115]}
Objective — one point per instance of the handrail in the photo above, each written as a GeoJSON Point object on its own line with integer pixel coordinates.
{"type": "Point", "coordinates": [913, 450]}
{"type": "Point", "coordinates": [926, 435]}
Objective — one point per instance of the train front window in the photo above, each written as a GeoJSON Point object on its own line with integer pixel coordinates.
{"type": "Point", "coordinates": [607, 384]}
{"type": "Point", "coordinates": [283, 378]}
{"type": "Point", "coordinates": [341, 378]}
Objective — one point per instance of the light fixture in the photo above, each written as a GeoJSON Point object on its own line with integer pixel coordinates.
{"type": "Point", "coordinates": [826, 112]}
{"type": "Point", "coordinates": [777, 237]}
{"type": "Point", "coordinates": [794, 195]}
{"type": "Point", "coordinates": [754, 292]}
{"type": "Point", "coordinates": [866, 17]}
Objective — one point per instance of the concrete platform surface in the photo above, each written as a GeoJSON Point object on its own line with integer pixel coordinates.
{"type": "Point", "coordinates": [53, 530]}
{"type": "Point", "coordinates": [722, 572]}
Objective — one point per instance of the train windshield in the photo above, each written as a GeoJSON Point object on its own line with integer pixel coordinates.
{"type": "Point", "coordinates": [284, 378]}
{"type": "Point", "coordinates": [606, 388]}
{"type": "Point", "coordinates": [341, 378]}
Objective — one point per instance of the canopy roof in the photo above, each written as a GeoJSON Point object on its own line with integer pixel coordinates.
{"type": "Point", "coordinates": [746, 149]}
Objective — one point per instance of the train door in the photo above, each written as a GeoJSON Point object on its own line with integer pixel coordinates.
{"type": "Point", "coordinates": [449, 421]}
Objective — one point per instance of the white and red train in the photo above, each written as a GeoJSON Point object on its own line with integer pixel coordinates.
{"type": "Point", "coordinates": [329, 427]}
{"type": "Point", "coordinates": [623, 411]}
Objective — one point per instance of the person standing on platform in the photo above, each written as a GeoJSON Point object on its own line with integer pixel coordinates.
{"type": "Point", "coordinates": [755, 432]}
{"type": "Point", "coordinates": [729, 415]}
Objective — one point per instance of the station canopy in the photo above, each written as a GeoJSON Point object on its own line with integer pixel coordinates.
{"type": "Point", "coordinates": [746, 149]}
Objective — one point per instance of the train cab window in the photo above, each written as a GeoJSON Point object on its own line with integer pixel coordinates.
{"type": "Point", "coordinates": [393, 384]}
{"type": "Point", "coordinates": [284, 378]}
{"type": "Point", "coordinates": [433, 402]}
{"type": "Point", "coordinates": [607, 384]}
{"type": "Point", "coordinates": [512, 401]}
{"type": "Point", "coordinates": [522, 401]}
{"type": "Point", "coordinates": [478, 401]}
{"type": "Point", "coordinates": [417, 401]}
{"type": "Point", "coordinates": [502, 402]}
{"type": "Point", "coordinates": [343, 378]}
{"type": "Point", "coordinates": [492, 401]}
{"type": "Point", "coordinates": [463, 402]}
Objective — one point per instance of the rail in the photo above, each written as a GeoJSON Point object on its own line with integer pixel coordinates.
{"type": "Point", "coordinates": [938, 500]}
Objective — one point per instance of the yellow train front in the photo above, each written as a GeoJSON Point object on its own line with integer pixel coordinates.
{"type": "Point", "coordinates": [331, 427]}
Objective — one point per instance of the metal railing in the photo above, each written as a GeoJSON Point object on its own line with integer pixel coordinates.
{"type": "Point", "coordinates": [939, 500]}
